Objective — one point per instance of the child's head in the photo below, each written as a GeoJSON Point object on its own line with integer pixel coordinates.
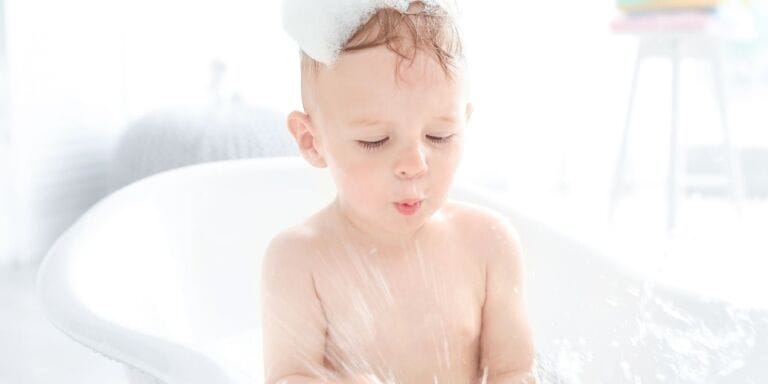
{"type": "Point", "coordinates": [387, 117]}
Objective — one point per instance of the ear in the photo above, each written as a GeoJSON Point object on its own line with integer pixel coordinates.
{"type": "Point", "coordinates": [300, 126]}
{"type": "Point", "coordinates": [469, 110]}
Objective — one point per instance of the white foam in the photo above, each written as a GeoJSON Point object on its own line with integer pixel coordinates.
{"type": "Point", "coordinates": [321, 27]}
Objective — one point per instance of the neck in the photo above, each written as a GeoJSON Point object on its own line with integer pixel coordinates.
{"type": "Point", "coordinates": [377, 237]}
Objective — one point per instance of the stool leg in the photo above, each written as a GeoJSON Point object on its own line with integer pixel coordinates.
{"type": "Point", "coordinates": [618, 181]}
{"type": "Point", "coordinates": [672, 186]}
{"type": "Point", "coordinates": [734, 164]}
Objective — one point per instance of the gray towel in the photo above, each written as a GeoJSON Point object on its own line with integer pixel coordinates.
{"type": "Point", "coordinates": [173, 138]}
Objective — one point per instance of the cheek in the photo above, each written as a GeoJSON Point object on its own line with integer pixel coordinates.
{"type": "Point", "coordinates": [443, 170]}
{"type": "Point", "coordinates": [359, 180]}
{"type": "Point", "coordinates": [447, 160]}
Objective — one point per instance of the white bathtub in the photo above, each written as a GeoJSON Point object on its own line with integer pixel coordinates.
{"type": "Point", "coordinates": [162, 276]}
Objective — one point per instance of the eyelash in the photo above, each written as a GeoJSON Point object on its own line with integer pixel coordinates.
{"type": "Point", "coordinates": [441, 140]}
{"type": "Point", "coordinates": [373, 145]}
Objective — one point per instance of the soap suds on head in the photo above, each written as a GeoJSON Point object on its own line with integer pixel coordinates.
{"type": "Point", "coordinates": [323, 27]}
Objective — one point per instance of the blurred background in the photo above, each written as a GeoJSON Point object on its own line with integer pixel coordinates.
{"type": "Point", "coordinates": [583, 111]}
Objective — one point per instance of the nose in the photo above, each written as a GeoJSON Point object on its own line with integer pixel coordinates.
{"type": "Point", "coordinates": [411, 163]}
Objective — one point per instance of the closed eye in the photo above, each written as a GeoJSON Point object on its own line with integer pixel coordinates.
{"type": "Point", "coordinates": [440, 139]}
{"type": "Point", "coordinates": [372, 144]}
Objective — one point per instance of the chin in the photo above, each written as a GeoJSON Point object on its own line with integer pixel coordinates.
{"type": "Point", "coordinates": [405, 223]}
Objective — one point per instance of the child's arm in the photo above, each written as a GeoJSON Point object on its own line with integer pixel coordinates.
{"type": "Point", "coordinates": [506, 342]}
{"type": "Point", "coordinates": [294, 325]}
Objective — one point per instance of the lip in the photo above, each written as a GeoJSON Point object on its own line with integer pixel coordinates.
{"type": "Point", "coordinates": [408, 206]}
{"type": "Point", "coordinates": [409, 201]}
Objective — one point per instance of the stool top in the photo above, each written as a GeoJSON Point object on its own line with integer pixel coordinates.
{"type": "Point", "coordinates": [721, 23]}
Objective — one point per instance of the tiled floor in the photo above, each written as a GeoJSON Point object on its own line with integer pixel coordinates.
{"type": "Point", "coordinates": [32, 351]}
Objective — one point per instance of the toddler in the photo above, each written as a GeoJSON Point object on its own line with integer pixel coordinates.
{"type": "Point", "coordinates": [391, 282]}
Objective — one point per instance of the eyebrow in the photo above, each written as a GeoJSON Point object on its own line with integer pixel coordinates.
{"type": "Point", "coordinates": [366, 121]}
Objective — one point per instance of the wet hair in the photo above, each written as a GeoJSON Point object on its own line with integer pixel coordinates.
{"type": "Point", "coordinates": [434, 31]}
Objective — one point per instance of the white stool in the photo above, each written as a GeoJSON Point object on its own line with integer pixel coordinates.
{"type": "Point", "coordinates": [675, 47]}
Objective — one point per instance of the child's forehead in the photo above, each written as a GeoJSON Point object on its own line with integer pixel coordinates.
{"type": "Point", "coordinates": [380, 72]}
{"type": "Point", "coordinates": [370, 117]}
{"type": "Point", "coordinates": [361, 122]}
{"type": "Point", "coordinates": [374, 84]}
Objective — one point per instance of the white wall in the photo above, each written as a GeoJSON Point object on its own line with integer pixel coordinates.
{"type": "Point", "coordinates": [5, 158]}
{"type": "Point", "coordinates": [66, 105]}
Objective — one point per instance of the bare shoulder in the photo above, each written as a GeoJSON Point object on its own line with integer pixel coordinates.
{"type": "Point", "coordinates": [483, 223]}
{"type": "Point", "coordinates": [489, 232]}
{"type": "Point", "coordinates": [293, 247]}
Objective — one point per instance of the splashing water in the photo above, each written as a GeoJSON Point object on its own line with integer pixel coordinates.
{"type": "Point", "coordinates": [676, 340]}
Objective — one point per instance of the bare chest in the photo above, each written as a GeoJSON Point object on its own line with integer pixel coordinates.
{"type": "Point", "coordinates": [413, 314]}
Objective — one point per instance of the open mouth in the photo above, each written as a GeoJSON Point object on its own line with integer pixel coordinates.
{"type": "Point", "coordinates": [408, 207]}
